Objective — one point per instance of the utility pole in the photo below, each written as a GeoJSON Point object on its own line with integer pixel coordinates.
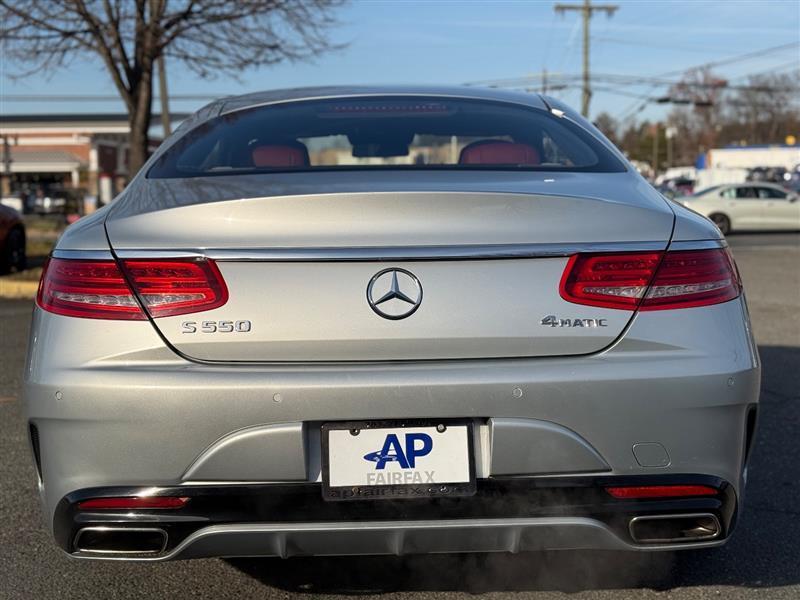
{"type": "Point", "coordinates": [587, 8]}
{"type": "Point", "coordinates": [544, 80]}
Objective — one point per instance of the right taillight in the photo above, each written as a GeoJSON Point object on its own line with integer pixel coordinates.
{"type": "Point", "coordinates": [689, 278]}
{"type": "Point", "coordinates": [651, 280]}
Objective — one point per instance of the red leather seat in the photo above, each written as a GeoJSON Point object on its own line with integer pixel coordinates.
{"type": "Point", "coordinates": [498, 152]}
{"type": "Point", "coordinates": [280, 155]}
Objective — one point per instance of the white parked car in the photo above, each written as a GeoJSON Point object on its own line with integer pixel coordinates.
{"type": "Point", "coordinates": [747, 206]}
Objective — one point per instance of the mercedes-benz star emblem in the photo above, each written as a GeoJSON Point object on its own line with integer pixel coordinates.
{"type": "Point", "coordinates": [394, 293]}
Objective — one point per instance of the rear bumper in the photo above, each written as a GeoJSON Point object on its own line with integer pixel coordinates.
{"type": "Point", "coordinates": [675, 396]}
{"type": "Point", "coordinates": [504, 516]}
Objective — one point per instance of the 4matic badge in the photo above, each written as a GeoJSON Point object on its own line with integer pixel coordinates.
{"type": "Point", "coordinates": [554, 321]}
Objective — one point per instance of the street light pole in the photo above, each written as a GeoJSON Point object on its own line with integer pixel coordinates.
{"type": "Point", "coordinates": [162, 93]}
{"type": "Point", "coordinates": [670, 132]}
{"type": "Point", "coordinates": [655, 150]}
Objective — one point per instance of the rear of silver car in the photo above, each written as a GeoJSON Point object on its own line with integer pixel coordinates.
{"type": "Point", "coordinates": [385, 362]}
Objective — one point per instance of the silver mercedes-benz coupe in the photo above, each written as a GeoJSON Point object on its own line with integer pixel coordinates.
{"type": "Point", "coordinates": [386, 321]}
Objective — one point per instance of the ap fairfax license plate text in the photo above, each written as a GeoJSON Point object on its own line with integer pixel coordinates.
{"type": "Point", "coordinates": [374, 460]}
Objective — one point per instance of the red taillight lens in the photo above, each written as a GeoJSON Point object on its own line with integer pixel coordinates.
{"type": "Point", "coordinates": [97, 289]}
{"type": "Point", "coordinates": [617, 280]}
{"type": "Point", "coordinates": [177, 287]}
{"type": "Point", "coordinates": [132, 503]}
{"type": "Point", "coordinates": [639, 492]}
{"type": "Point", "coordinates": [94, 289]}
{"type": "Point", "coordinates": [651, 280]}
{"type": "Point", "coordinates": [693, 278]}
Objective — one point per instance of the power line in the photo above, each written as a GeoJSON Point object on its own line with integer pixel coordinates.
{"type": "Point", "coordinates": [623, 79]}
{"type": "Point", "coordinates": [735, 59]}
{"type": "Point", "coordinates": [636, 107]}
{"type": "Point", "coordinates": [793, 65]}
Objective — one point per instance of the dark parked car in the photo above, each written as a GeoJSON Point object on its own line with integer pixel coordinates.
{"type": "Point", "coordinates": [677, 186]}
{"type": "Point", "coordinates": [12, 240]}
{"type": "Point", "coordinates": [768, 174]}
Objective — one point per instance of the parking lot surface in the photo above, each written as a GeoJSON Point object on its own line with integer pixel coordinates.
{"type": "Point", "coordinates": [761, 561]}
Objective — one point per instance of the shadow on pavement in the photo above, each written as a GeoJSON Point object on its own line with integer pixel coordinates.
{"type": "Point", "coordinates": [764, 552]}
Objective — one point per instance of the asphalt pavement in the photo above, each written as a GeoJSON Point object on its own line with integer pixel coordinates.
{"type": "Point", "coordinates": [761, 561]}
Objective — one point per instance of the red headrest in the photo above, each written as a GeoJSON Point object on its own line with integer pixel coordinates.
{"type": "Point", "coordinates": [280, 155]}
{"type": "Point", "coordinates": [498, 152]}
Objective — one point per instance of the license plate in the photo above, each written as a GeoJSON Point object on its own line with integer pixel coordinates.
{"type": "Point", "coordinates": [371, 460]}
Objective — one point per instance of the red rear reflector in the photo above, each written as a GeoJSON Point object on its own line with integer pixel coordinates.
{"type": "Point", "coordinates": [94, 289]}
{"type": "Point", "coordinates": [651, 280]}
{"type": "Point", "coordinates": [661, 491]}
{"type": "Point", "coordinates": [133, 503]}
{"type": "Point", "coordinates": [97, 289]}
{"type": "Point", "coordinates": [177, 286]}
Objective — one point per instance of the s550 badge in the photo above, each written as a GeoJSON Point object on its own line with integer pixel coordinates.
{"type": "Point", "coordinates": [554, 321]}
{"type": "Point", "coordinates": [216, 326]}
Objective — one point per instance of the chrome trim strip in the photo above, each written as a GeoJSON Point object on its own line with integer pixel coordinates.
{"type": "Point", "coordinates": [396, 253]}
{"type": "Point", "coordinates": [157, 254]}
{"type": "Point", "coordinates": [698, 245]}
{"type": "Point", "coordinates": [83, 254]}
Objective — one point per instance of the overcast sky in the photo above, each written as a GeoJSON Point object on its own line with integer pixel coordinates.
{"type": "Point", "coordinates": [454, 42]}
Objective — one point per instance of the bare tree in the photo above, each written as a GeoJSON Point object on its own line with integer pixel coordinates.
{"type": "Point", "coordinates": [210, 37]}
{"type": "Point", "coordinates": [704, 90]}
{"type": "Point", "coordinates": [766, 110]}
{"type": "Point", "coordinates": [608, 125]}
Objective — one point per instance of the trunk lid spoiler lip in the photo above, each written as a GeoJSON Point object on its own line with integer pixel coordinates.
{"type": "Point", "coordinates": [395, 253]}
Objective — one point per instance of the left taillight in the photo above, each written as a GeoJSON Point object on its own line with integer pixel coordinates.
{"type": "Point", "coordinates": [98, 289]}
{"type": "Point", "coordinates": [177, 286]}
{"type": "Point", "coordinates": [92, 289]}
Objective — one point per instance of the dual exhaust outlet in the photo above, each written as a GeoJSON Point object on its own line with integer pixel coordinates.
{"type": "Point", "coordinates": [124, 541]}
{"type": "Point", "coordinates": [648, 529]}
{"type": "Point", "coordinates": [674, 529]}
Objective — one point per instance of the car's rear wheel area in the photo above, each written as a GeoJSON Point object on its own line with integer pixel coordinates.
{"type": "Point", "coordinates": [722, 222]}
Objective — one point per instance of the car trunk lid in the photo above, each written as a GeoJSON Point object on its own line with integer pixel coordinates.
{"type": "Point", "coordinates": [298, 267]}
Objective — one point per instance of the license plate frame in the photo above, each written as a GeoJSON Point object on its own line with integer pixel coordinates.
{"type": "Point", "coordinates": [402, 490]}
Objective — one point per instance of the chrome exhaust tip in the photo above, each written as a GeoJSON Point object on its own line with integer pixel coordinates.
{"type": "Point", "coordinates": [674, 529]}
{"type": "Point", "coordinates": [120, 540]}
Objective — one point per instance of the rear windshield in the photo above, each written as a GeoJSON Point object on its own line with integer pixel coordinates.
{"type": "Point", "coordinates": [386, 132]}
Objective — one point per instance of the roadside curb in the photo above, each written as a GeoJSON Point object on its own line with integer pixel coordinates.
{"type": "Point", "coordinates": [11, 289]}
